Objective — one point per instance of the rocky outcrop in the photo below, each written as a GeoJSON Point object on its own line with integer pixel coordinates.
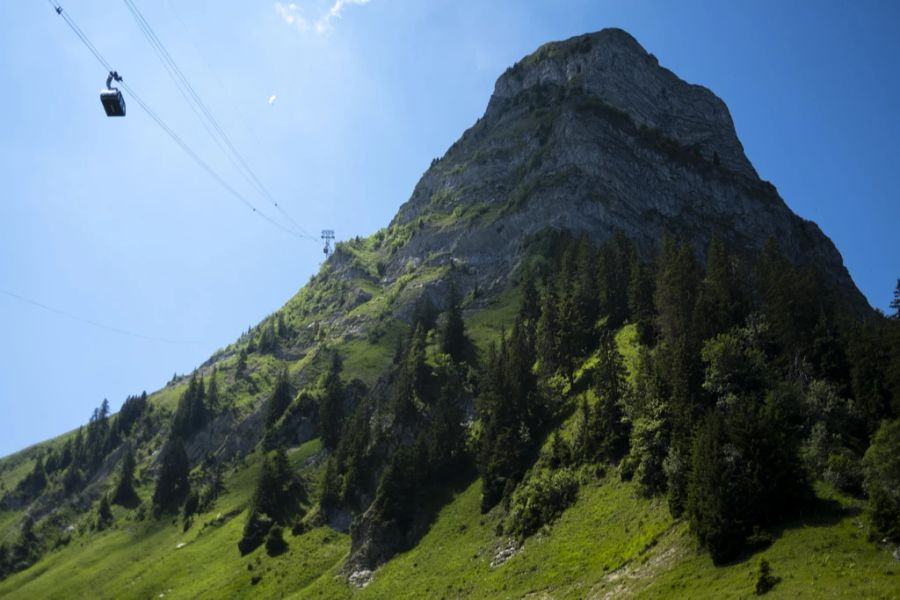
{"type": "Point", "coordinates": [592, 135]}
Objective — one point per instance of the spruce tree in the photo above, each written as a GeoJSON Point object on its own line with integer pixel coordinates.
{"type": "Point", "coordinates": [280, 399]}
{"type": "Point", "coordinates": [720, 302]}
{"type": "Point", "coordinates": [172, 484]}
{"type": "Point", "coordinates": [104, 514]}
{"type": "Point", "coordinates": [640, 300]}
{"type": "Point", "coordinates": [453, 333]}
{"type": "Point", "coordinates": [895, 302]}
{"type": "Point", "coordinates": [212, 392]}
{"type": "Point", "coordinates": [331, 404]}
{"type": "Point", "coordinates": [608, 427]}
{"type": "Point", "coordinates": [124, 493]}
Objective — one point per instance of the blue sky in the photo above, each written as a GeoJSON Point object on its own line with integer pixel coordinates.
{"type": "Point", "coordinates": [107, 220]}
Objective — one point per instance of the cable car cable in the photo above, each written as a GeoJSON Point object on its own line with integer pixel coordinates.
{"type": "Point", "coordinates": [168, 130]}
{"type": "Point", "coordinates": [182, 81]}
{"type": "Point", "coordinates": [96, 324]}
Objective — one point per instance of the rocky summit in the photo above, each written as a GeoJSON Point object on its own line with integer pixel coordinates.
{"type": "Point", "coordinates": [592, 135]}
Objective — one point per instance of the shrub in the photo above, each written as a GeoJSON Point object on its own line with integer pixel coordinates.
{"type": "Point", "coordinates": [255, 531]}
{"type": "Point", "coordinates": [275, 543]}
{"type": "Point", "coordinates": [540, 500]}
{"type": "Point", "coordinates": [844, 472]}
{"type": "Point", "coordinates": [765, 581]}
{"type": "Point", "coordinates": [881, 471]}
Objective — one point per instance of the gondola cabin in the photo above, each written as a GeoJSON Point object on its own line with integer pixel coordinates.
{"type": "Point", "coordinates": [113, 102]}
{"type": "Point", "coordinates": [111, 98]}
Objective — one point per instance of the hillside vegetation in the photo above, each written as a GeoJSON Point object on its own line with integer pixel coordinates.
{"type": "Point", "coordinates": [504, 394]}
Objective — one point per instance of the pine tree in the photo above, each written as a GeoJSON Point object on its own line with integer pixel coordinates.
{"type": "Point", "coordinates": [331, 404]}
{"type": "Point", "coordinates": [241, 366]}
{"type": "Point", "coordinates": [791, 300]}
{"type": "Point", "coordinates": [124, 493]}
{"type": "Point", "coordinates": [278, 490]}
{"type": "Point", "coordinates": [895, 302]}
{"type": "Point", "coordinates": [104, 514]}
{"type": "Point", "coordinates": [212, 392]}
{"type": "Point", "coordinates": [172, 482]}
{"type": "Point", "coordinates": [640, 300]}
{"type": "Point", "coordinates": [453, 333]}
{"type": "Point", "coordinates": [192, 413]}
{"type": "Point", "coordinates": [412, 379]}
{"type": "Point", "coordinates": [607, 425]}
{"type": "Point", "coordinates": [511, 412]}
{"type": "Point", "coordinates": [280, 399]}
{"type": "Point", "coordinates": [548, 332]}
{"type": "Point", "coordinates": [530, 309]}
{"type": "Point", "coordinates": [677, 281]}
{"type": "Point", "coordinates": [720, 301]}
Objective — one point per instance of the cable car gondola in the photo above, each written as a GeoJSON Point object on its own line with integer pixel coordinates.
{"type": "Point", "coordinates": [111, 98]}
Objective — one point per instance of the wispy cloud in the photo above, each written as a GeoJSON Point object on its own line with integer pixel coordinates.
{"type": "Point", "coordinates": [336, 11]}
{"type": "Point", "coordinates": [322, 22]}
{"type": "Point", "coordinates": [290, 14]}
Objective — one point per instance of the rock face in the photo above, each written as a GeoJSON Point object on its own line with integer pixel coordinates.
{"type": "Point", "coordinates": [592, 135]}
{"type": "Point", "coordinates": [588, 135]}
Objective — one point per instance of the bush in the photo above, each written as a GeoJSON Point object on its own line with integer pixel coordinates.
{"type": "Point", "coordinates": [275, 543]}
{"type": "Point", "coordinates": [843, 471]}
{"type": "Point", "coordinates": [881, 472]}
{"type": "Point", "coordinates": [255, 531]}
{"type": "Point", "coordinates": [765, 581]}
{"type": "Point", "coordinates": [539, 500]}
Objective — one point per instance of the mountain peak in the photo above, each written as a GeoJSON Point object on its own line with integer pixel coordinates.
{"type": "Point", "coordinates": [591, 135]}
{"type": "Point", "coordinates": [612, 66]}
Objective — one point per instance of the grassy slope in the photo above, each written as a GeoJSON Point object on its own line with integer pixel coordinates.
{"type": "Point", "coordinates": [142, 558]}
{"type": "Point", "coordinates": [609, 544]}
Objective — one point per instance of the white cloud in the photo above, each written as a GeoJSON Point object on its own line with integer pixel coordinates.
{"type": "Point", "coordinates": [271, 99]}
{"type": "Point", "coordinates": [291, 14]}
{"type": "Point", "coordinates": [336, 11]}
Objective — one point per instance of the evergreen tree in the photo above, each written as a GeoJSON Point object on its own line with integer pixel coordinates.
{"type": "Point", "coordinates": [268, 340]}
{"type": "Point", "coordinates": [212, 392]}
{"type": "Point", "coordinates": [280, 399]}
{"type": "Point", "coordinates": [278, 490]}
{"type": "Point", "coordinates": [677, 282]}
{"type": "Point", "coordinates": [720, 301]}
{"type": "Point", "coordinates": [331, 404]}
{"type": "Point", "coordinates": [511, 413]}
{"type": "Point", "coordinates": [104, 514]}
{"type": "Point", "coordinates": [191, 413]}
{"type": "Point", "coordinates": [548, 332]}
{"type": "Point", "coordinates": [790, 300]}
{"type": "Point", "coordinates": [172, 482]}
{"type": "Point", "coordinates": [895, 302]}
{"type": "Point", "coordinates": [530, 309]}
{"type": "Point", "coordinates": [614, 274]}
{"type": "Point", "coordinates": [411, 379]}
{"type": "Point", "coordinates": [446, 431]}
{"type": "Point", "coordinates": [640, 300]}
{"type": "Point", "coordinates": [132, 410]}
{"type": "Point", "coordinates": [241, 366]}
{"type": "Point", "coordinates": [585, 295]}
{"type": "Point", "coordinates": [453, 333]}
{"type": "Point", "coordinates": [124, 493]}
{"type": "Point", "coordinates": [608, 429]}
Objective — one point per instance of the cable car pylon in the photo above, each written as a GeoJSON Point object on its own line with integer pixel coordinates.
{"type": "Point", "coordinates": [328, 236]}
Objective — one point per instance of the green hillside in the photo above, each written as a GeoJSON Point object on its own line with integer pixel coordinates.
{"type": "Point", "coordinates": [544, 379]}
